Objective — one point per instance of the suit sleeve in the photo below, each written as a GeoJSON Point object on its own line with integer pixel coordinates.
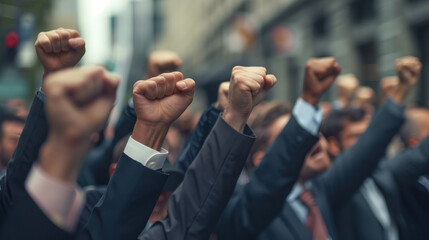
{"type": "Point", "coordinates": [198, 137]}
{"type": "Point", "coordinates": [194, 208]}
{"type": "Point", "coordinates": [125, 208]}
{"type": "Point", "coordinates": [358, 162]}
{"type": "Point", "coordinates": [26, 152]}
{"type": "Point", "coordinates": [409, 165]}
{"type": "Point", "coordinates": [257, 203]}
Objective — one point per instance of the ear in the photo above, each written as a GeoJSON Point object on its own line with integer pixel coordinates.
{"type": "Point", "coordinates": [112, 168]}
{"type": "Point", "coordinates": [333, 146]}
{"type": "Point", "coordinates": [412, 142]}
{"type": "Point", "coordinates": [257, 157]}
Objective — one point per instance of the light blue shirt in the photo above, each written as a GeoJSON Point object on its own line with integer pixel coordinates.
{"type": "Point", "coordinates": [308, 116]}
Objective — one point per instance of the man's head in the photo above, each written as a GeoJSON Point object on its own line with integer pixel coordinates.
{"type": "Point", "coordinates": [416, 128]}
{"type": "Point", "coordinates": [317, 161]}
{"type": "Point", "coordinates": [11, 127]}
{"type": "Point", "coordinates": [343, 127]}
{"type": "Point", "coordinates": [267, 123]}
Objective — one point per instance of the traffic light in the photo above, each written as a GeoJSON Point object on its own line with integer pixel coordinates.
{"type": "Point", "coordinates": [11, 41]}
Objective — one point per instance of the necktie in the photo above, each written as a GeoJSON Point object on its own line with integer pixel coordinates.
{"type": "Point", "coordinates": [314, 220]}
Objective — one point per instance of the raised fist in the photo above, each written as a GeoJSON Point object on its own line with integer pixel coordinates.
{"type": "Point", "coordinates": [162, 62]}
{"type": "Point", "coordinates": [320, 73]}
{"type": "Point", "coordinates": [347, 85]}
{"type": "Point", "coordinates": [59, 49]}
{"type": "Point", "coordinates": [248, 86]}
{"type": "Point", "coordinates": [162, 99]}
{"type": "Point", "coordinates": [408, 69]}
{"type": "Point", "coordinates": [78, 102]}
{"type": "Point", "coordinates": [222, 96]}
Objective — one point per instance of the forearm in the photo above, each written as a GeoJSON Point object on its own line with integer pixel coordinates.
{"type": "Point", "coordinates": [409, 165]}
{"type": "Point", "coordinates": [198, 137]}
{"type": "Point", "coordinates": [246, 214]}
{"type": "Point", "coordinates": [197, 203]}
{"type": "Point", "coordinates": [358, 162]}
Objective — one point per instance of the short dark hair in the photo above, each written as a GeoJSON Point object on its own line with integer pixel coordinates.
{"type": "Point", "coordinates": [266, 116]}
{"type": "Point", "coordinates": [335, 122]}
{"type": "Point", "coordinates": [9, 117]}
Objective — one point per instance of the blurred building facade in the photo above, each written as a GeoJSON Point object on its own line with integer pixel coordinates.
{"type": "Point", "coordinates": [366, 36]}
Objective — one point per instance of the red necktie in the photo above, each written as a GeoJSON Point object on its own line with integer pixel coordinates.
{"type": "Point", "coordinates": [314, 220]}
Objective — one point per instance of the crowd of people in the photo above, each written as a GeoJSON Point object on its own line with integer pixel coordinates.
{"type": "Point", "coordinates": [245, 168]}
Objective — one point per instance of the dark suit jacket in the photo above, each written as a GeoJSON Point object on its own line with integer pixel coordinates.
{"type": "Point", "coordinates": [195, 207]}
{"type": "Point", "coordinates": [27, 150]}
{"type": "Point", "coordinates": [259, 209]}
{"type": "Point", "coordinates": [206, 123]}
{"type": "Point", "coordinates": [119, 214]}
{"type": "Point", "coordinates": [193, 210]}
{"type": "Point", "coordinates": [396, 179]}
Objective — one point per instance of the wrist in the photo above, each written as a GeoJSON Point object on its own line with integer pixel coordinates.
{"type": "Point", "coordinates": [150, 134]}
{"type": "Point", "coordinates": [235, 119]}
{"type": "Point", "coordinates": [399, 94]}
{"type": "Point", "coordinates": [60, 159]}
{"type": "Point", "coordinates": [310, 98]}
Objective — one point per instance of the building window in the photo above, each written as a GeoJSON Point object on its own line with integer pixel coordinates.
{"type": "Point", "coordinates": [320, 27]}
{"type": "Point", "coordinates": [368, 66]}
{"type": "Point", "coordinates": [362, 10]}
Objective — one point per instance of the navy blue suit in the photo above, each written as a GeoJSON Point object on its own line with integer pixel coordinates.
{"type": "Point", "coordinates": [397, 180]}
{"type": "Point", "coordinates": [119, 214]}
{"type": "Point", "coordinates": [258, 210]}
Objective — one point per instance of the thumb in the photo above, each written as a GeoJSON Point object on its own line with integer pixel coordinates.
{"type": "Point", "coordinates": [185, 85]}
{"type": "Point", "coordinates": [270, 81]}
{"type": "Point", "coordinates": [77, 43]}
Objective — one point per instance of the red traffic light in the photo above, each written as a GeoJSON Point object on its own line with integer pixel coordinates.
{"type": "Point", "coordinates": [12, 40]}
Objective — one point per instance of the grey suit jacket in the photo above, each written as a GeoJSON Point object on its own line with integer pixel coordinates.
{"type": "Point", "coordinates": [195, 207]}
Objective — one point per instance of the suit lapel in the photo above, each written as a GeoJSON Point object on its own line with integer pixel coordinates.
{"type": "Point", "coordinates": [296, 227]}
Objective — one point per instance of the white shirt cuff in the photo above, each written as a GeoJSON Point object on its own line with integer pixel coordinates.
{"type": "Point", "coordinates": [145, 155]}
{"type": "Point", "coordinates": [308, 116]}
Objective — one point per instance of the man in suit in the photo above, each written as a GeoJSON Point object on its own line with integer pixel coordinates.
{"type": "Point", "coordinates": [377, 202]}
{"type": "Point", "coordinates": [253, 80]}
{"type": "Point", "coordinates": [14, 197]}
{"type": "Point", "coordinates": [10, 129]}
{"type": "Point", "coordinates": [95, 169]}
{"type": "Point", "coordinates": [262, 208]}
{"type": "Point", "coordinates": [392, 202]}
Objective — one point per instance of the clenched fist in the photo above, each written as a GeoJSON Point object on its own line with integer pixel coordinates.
{"type": "Point", "coordinates": [59, 49]}
{"type": "Point", "coordinates": [320, 73]}
{"type": "Point", "coordinates": [162, 62]}
{"type": "Point", "coordinates": [248, 86]}
{"type": "Point", "coordinates": [78, 103]}
{"type": "Point", "coordinates": [222, 96]}
{"type": "Point", "coordinates": [408, 69]}
{"type": "Point", "coordinates": [159, 101]}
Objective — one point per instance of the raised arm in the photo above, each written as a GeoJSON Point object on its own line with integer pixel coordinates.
{"type": "Point", "coordinates": [196, 205]}
{"type": "Point", "coordinates": [77, 104]}
{"type": "Point", "coordinates": [203, 128]}
{"type": "Point", "coordinates": [358, 162]}
{"type": "Point", "coordinates": [247, 213]}
{"type": "Point", "coordinates": [35, 131]}
{"type": "Point", "coordinates": [409, 165]}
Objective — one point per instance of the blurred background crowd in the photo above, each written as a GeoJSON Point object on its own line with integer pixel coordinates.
{"type": "Point", "coordinates": [208, 38]}
{"type": "Point", "coordinates": [365, 36]}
